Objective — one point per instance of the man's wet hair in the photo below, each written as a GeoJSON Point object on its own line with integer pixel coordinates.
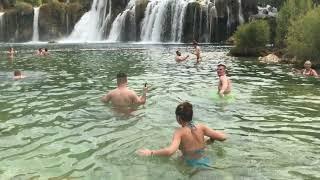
{"type": "Point", "coordinates": [121, 78]}
{"type": "Point", "coordinates": [184, 111]}
{"type": "Point", "coordinates": [17, 73]}
{"type": "Point", "coordinates": [45, 49]}
{"type": "Point", "coordinates": [178, 53]}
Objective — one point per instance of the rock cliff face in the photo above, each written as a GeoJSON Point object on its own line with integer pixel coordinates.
{"type": "Point", "coordinates": [204, 21]}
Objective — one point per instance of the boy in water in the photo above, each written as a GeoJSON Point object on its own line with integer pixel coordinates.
{"type": "Point", "coordinates": [189, 138]}
{"type": "Point", "coordinates": [180, 58]}
{"type": "Point", "coordinates": [224, 87]}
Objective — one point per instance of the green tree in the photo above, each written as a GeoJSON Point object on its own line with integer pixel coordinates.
{"type": "Point", "coordinates": [303, 36]}
{"type": "Point", "coordinates": [289, 12]}
{"type": "Point", "coordinates": [252, 35]}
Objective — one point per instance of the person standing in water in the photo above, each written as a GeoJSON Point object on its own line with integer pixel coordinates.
{"type": "Point", "coordinates": [122, 95]}
{"type": "Point", "coordinates": [189, 138]}
{"type": "Point", "coordinates": [11, 52]}
{"type": "Point", "coordinates": [179, 57]}
{"type": "Point", "coordinates": [224, 86]}
{"type": "Point", "coordinates": [197, 51]}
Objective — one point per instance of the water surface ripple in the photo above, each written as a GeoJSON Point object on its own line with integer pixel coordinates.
{"type": "Point", "coordinates": [53, 125]}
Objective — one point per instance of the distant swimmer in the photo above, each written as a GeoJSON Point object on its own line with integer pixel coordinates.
{"type": "Point", "coordinates": [224, 87]}
{"type": "Point", "coordinates": [190, 138]}
{"type": "Point", "coordinates": [11, 52]}
{"type": "Point", "coordinates": [39, 52]}
{"type": "Point", "coordinates": [307, 71]}
{"type": "Point", "coordinates": [18, 75]}
{"type": "Point", "coordinates": [180, 58]}
{"type": "Point", "coordinates": [45, 52]}
{"type": "Point", "coordinates": [197, 51]}
{"type": "Point", "coordinates": [122, 95]}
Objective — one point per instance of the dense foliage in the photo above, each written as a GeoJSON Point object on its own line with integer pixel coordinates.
{"type": "Point", "coordinates": [303, 38]}
{"type": "Point", "coordinates": [253, 34]}
{"type": "Point", "coordinates": [289, 12]}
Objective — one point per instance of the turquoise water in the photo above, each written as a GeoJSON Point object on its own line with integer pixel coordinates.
{"type": "Point", "coordinates": [53, 125]}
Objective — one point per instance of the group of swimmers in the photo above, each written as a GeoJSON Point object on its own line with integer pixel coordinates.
{"type": "Point", "coordinates": [190, 138]}
{"type": "Point", "coordinates": [39, 52]}
{"type": "Point", "coordinates": [17, 73]}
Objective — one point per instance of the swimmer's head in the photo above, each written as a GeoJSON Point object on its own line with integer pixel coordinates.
{"type": "Point", "coordinates": [194, 42]}
{"type": "Point", "coordinates": [45, 49]}
{"type": "Point", "coordinates": [40, 49]}
{"type": "Point", "coordinates": [17, 73]}
{"type": "Point", "coordinates": [121, 78]}
{"type": "Point", "coordinates": [221, 69]}
{"type": "Point", "coordinates": [184, 112]}
{"type": "Point", "coordinates": [178, 53]}
{"type": "Point", "coordinates": [307, 64]}
{"type": "Point", "coordinates": [11, 49]}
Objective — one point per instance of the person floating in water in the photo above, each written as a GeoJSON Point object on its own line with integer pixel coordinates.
{"type": "Point", "coordinates": [18, 75]}
{"type": "Point", "coordinates": [11, 52]}
{"type": "Point", "coordinates": [189, 138]}
{"type": "Point", "coordinates": [307, 71]}
{"type": "Point", "coordinates": [180, 58]}
{"type": "Point", "coordinates": [224, 87]}
{"type": "Point", "coordinates": [197, 51]}
{"type": "Point", "coordinates": [122, 95]}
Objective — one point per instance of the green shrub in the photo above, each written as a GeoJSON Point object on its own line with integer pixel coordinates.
{"type": "Point", "coordinates": [252, 35]}
{"type": "Point", "coordinates": [33, 2]}
{"type": "Point", "coordinates": [289, 12]}
{"type": "Point", "coordinates": [303, 37]}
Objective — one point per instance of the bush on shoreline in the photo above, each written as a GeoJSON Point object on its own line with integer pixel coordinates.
{"type": "Point", "coordinates": [290, 11]}
{"type": "Point", "coordinates": [251, 39]}
{"type": "Point", "coordinates": [303, 38]}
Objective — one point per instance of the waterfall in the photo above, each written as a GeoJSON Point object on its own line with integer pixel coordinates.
{"type": "Point", "coordinates": [155, 18]}
{"type": "Point", "coordinates": [35, 36]}
{"type": "Point", "coordinates": [1, 24]}
{"type": "Point", "coordinates": [119, 23]}
{"type": "Point", "coordinates": [88, 28]}
{"type": "Point", "coordinates": [163, 20]}
{"type": "Point", "coordinates": [241, 19]}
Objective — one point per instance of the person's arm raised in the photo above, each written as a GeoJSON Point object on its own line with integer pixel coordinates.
{"type": "Point", "coordinates": [142, 99]}
{"type": "Point", "coordinates": [168, 151]}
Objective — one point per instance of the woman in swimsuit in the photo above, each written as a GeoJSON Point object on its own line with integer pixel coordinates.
{"type": "Point", "coordinates": [308, 71]}
{"type": "Point", "coordinates": [189, 138]}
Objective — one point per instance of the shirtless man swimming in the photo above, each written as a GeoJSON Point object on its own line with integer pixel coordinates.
{"type": "Point", "coordinates": [180, 58]}
{"type": "Point", "coordinates": [122, 95]}
{"type": "Point", "coordinates": [224, 87]}
{"type": "Point", "coordinates": [197, 51]}
{"type": "Point", "coordinates": [11, 52]}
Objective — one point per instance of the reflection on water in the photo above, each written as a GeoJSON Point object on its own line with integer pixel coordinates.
{"type": "Point", "coordinates": [53, 125]}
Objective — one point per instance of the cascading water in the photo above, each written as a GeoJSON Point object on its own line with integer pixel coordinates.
{"type": "Point", "coordinates": [35, 36]}
{"type": "Point", "coordinates": [162, 20]}
{"type": "Point", "coordinates": [119, 23]}
{"type": "Point", "coordinates": [88, 28]}
{"type": "Point", "coordinates": [155, 17]}
{"type": "Point", "coordinates": [241, 19]}
{"type": "Point", "coordinates": [1, 24]}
